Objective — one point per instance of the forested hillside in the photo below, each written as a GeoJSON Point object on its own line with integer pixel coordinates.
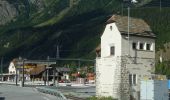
{"type": "Point", "coordinates": [39, 26]}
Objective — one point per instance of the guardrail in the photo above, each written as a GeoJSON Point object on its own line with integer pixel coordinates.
{"type": "Point", "coordinates": [56, 93]}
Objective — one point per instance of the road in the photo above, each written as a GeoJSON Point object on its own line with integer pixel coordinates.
{"type": "Point", "coordinates": [9, 92]}
{"type": "Point", "coordinates": [77, 91]}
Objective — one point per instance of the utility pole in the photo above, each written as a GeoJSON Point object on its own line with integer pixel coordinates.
{"type": "Point", "coordinates": [128, 29]}
{"type": "Point", "coordinates": [79, 64]}
{"type": "Point", "coordinates": [48, 70]}
{"type": "Point", "coordinates": [57, 52]}
{"type": "Point", "coordinates": [54, 69]}
{"type": "Point", "coordinates": [2, 69]}
{"type": "Point", "coordinates": [122, 9]}
{"type": "Point", "coordinates": [54, 75]}
{"type": "Point", "coordinates": [45, 75]}
{"type": "Point", "coordinates": [16, 77]}
{"type": "Point", "coordinates": [23, 78]}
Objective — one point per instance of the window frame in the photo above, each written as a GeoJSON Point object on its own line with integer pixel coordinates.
{"type": "Point", "coordinates": [111, 50]}
{"type": "Point", "coordinates": [133, 79]}
{"type": "Point", "coordinates": [148, 48]}
{"type": "Point", "coordinates": [130, 79]}
{"type": "Point", "coordinates": [134, 46]}
{"type": "Point", "coordinates": [143, 44]}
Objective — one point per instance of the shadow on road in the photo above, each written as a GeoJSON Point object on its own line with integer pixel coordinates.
{"type": "Point", "coordinates": [2, 98]}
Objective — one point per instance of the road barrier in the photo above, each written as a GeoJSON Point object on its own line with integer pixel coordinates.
{"type": "Point", "coordinates": [56, 93]}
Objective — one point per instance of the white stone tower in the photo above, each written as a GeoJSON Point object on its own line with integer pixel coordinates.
{"type": "Point", "coordinates": [124, 61]}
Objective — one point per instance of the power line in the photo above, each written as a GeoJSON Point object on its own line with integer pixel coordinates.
{"type": "Point", "coordinates": [72, 59]}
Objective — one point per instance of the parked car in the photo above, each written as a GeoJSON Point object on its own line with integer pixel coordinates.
{"type": "Point", "coordinates": [66, 82]}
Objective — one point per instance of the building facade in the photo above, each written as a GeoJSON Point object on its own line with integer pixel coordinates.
{"type": "Point", "coordinates": [127, 55]}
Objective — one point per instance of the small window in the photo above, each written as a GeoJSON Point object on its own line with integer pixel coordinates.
{"type": "Point", "coordinates": [112, 50]}
{"type": "Point", "coordinates": [130, 79]}
{"type": "Point", "coordinates": [134, 79]}
{"type": "Point", "coordinates": [141, 46]}
{"type": "Point", "coordinates": [10, 72]}
{"type": "Point", "coordinates": [134, 46]}
{"type": "Point", "coordinates": [148, 46]}
{"type": "Point", "coordinates": [111, 28]}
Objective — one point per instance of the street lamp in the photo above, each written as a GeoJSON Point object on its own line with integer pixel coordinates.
{"type": "Point", "coordinates": [16, 76]}
{"type": "Point", "coordinates": [48, 70]}
{"type": "Point", "coordinates": [54, 75]}
{"type": "Point", "coordinates": [23, 79]}
{"type": "Point", "coordinates": [2, 69]}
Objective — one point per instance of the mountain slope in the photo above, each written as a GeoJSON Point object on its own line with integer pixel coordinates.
{"type": "Point", "coordinates": [41, 25]}
{"type": "Point", "coordinates": [56, 24]}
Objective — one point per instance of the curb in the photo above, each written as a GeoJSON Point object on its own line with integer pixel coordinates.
{"type": "Point", "coordinates": [53, 92]}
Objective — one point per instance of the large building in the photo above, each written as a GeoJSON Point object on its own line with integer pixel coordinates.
{"type": "Point", "coordinates": [127, 56]}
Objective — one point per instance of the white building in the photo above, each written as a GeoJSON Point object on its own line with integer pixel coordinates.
{"type": "Point", "coordinates": [11, 68]}
{"type": "Point", "coordinates": [124, 60]}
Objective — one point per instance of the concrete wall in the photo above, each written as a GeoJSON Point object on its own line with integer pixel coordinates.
{"type": "Point", "coordinates": [139, 62]}
{"type": "Point", "coordinates": [108, 67]}
{"type": "Point", "coordinates": [138, 53]}
{"type": "Point", "coordinates": [106, 82]}
{"type": "Point", "coordinates": [110, 37]}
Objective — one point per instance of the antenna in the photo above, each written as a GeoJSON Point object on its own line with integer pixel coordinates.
{"type": "Point", "coordinates": [57, 53]}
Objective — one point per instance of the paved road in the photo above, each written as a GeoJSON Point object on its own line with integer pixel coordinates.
{"type": "Point", "coordinates": [77, 91]}
{"type": "Point", "coordinates": [8, 92]}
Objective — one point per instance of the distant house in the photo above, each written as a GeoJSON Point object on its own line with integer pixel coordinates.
{"type": "Point", "coordinates": [62, 73]}
{"type": "Point", "coordinates": [31, 71]}
{"type": "Point", "coordinates": [11, 71]}
{"type": "Point", "coordinates": [37, 72]}
{"type": "Point", "coordinates": [11, 68]}
{"type": "Point", "coordinates": [125, 58]}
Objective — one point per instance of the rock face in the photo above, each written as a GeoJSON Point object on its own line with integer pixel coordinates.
{"type": "Point", "coordinates": [40, 4]}
{"type": "Point", "coordinates": [11, 9]}
{"type": "Point", "coordinates": [7, 12]}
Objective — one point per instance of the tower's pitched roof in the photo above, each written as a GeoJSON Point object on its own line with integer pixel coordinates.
{"type": "Point", "coordinates": [137, 27]}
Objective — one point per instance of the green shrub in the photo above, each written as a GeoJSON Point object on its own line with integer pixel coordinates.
{"type": "Point", "coordinates": [101, 98]}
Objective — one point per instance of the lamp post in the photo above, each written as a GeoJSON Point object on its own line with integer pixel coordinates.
{"type": "Point", "coordinates": [2, 69]}
{"type": "Point", "coordinates": [128, 29]}
{"type": "Point", "coordinates": [54, 75]}
{"type": "Point", "coordinates": [45, 75]}
{"type": "Point", "coordinates": [23, 79]}
{"type": "Point", "coordinates": [16, 77]}
{"type": "Point", "coordinates": [48, 71]}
